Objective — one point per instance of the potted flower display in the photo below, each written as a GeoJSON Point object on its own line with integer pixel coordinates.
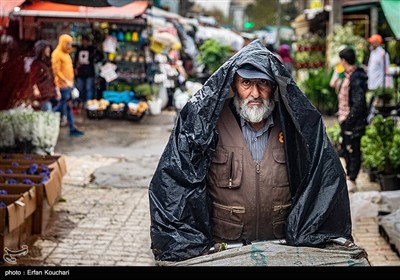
{"type": "Point", "coordinates": [381, 151]}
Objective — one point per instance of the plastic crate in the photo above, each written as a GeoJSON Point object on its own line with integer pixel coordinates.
{"type": "Point", "coordinates": [96, 114]}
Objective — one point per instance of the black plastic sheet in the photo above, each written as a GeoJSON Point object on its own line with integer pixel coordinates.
{"type": "Point", "coordinates": [179, 202]}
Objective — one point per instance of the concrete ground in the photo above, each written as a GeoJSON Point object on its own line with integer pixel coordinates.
{"type": "Point", "coordinates": [103, 217]}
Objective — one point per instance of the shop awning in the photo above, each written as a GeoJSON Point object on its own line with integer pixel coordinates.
{"type": "Point", "coordinates": [49, 9]}
{"type": "Point", "coordinates": [6, 6]}
{"type": "Point", "coordinates": [391, 9]}
{"type": "Point", "coordinates": [94, 3]}
{"type": "Point", "coordinates": [358, 8]}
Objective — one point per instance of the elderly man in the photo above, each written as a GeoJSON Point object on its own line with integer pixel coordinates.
{"type": "Point", "coordinates": [248, 160]}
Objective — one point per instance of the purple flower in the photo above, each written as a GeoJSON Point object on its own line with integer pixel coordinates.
{"type": "Point", "coordinates": [44, 179]}
{"type": "Point", "coordinates": [32, 168]}
{"type": "Point", "coordinates": [27, 182]}
{"type": "Point", "coordinates": [11, 181]}
{"type": "Point", "coordinates": [14, 164]}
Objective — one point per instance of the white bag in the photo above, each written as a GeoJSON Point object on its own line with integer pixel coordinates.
{"type": "Point", "coordinates": [75, 93]}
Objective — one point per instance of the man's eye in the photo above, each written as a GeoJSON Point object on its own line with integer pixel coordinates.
{"type": "Point", "coordinates": [246, 82]}
{"type": "Point", "coordinates": [263, 83]}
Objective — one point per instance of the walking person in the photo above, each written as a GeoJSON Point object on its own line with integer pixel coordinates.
{"type": "Point", "coordinates": [42, 78]}
{"type": "Point", "coordinates": [64, 79]}
{"type": "Point", "coordinates": [352, 114]}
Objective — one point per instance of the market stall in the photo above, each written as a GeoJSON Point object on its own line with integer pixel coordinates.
{"type": "Point", "coordinates": [121, 33]}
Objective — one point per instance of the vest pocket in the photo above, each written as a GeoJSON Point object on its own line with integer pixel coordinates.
{"type": "Point", "coordinates": [226, 169]}
{"type": "Point", "coordinates": [228, 213]}
{"type": "Point", "coordinates": [280, 212]}
{"type": "Point", "coordinates": [281, 177]}
{"type": "Point", "coordinates": [226, 230]}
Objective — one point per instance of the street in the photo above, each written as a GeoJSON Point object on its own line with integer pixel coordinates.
{"type": "Point", "coordinates": [103, 216]}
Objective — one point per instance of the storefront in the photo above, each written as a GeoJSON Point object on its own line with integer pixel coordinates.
{"type": "Point", "coordinates": [121, 33]}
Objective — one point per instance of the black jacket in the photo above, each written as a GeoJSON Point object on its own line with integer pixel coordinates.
{"type": "Point", "coordinates": [357, 118]}
{"type": "Point", "coordinates": [179, 202]}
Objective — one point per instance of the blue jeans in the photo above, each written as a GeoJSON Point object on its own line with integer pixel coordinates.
{"type": "Point", "coordinates": [86, 88]}
{"type": "Point", "coordinates": [46, 106]}
{"type": "Point", "coordinates": [64, 107]}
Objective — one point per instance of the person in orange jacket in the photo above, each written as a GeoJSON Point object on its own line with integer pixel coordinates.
{"type": "Point", "coordinates": [64, 79]}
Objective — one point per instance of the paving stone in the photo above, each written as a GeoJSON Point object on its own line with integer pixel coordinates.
{"type": "Point", "coordinates": [110, 226]}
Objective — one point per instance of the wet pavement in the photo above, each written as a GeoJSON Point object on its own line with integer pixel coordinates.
{"type": "Point", "coordinates": [103, 216]}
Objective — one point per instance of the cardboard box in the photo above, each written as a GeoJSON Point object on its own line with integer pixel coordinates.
{"type": "Point", "coordinates": [47, 195]}
{"type": "Point", "coordinates": [15, 229]}
{"type": "Point", "coordinates": [54, 161]}
{"type": "Point", "coordinates": [28, 194]}
{"type": "Point", "coordinates": [52, 188]}
{"type": "Point", "coordinates": [12, 216]}
{"type": "Point", "coordinates": [54, 172]}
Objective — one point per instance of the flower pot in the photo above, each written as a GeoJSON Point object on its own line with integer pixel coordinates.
{"type": "Point", "coordinates": [155, 106]}
{"type": "Point", "coordinates": [389, 182]}
{"type": "Point", "coordinates": [372, 175]}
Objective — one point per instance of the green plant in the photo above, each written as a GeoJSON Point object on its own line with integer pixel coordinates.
{"type": "Point", "coordinates": [344, 36]}
{"type": "Point", "coordinates": [147, 90]}
{"type": "Point", "coordinates": [394, 153]}
{"type": "Point", "coordinates": [213, 54]}
{"type": "Point", "coordinates": [333, 133]}
{"type": "Point", "coordinates": [316, 87]}
{"type": "Point", "coordinates": [387, 95]}
{"type": "Point", "coordinates": [380, 146]}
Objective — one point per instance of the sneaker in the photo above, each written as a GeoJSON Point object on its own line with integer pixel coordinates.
{"type": "Point", "coordinates": [76, 132]}
{"type": "Point", "coordinates": [351, 186]}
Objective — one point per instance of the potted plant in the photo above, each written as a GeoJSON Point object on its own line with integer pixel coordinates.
{"type": "Point", "coordinates": [381, 151]}
{"type": "Point", "coordinates": [385, 100]}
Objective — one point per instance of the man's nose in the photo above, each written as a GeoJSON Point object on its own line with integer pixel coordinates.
{"type": "Point", "coordinates": [255, 91]}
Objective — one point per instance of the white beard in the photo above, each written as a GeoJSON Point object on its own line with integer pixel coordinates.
{"type": "Point", "coordinates": [254, 114]}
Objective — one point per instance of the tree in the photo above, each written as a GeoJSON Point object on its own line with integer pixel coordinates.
{"type": "Point", "coordinates": [262, 14]}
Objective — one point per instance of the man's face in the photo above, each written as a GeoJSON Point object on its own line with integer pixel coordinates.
{"type": "Point", "coordinates": [373, 46]}
{"type": "Point", "coordinates": [253, 98]}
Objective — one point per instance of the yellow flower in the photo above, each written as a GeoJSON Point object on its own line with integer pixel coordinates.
{"type": "Point", "coordinates": [339, 68]}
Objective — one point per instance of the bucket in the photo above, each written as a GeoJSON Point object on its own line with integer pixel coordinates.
{"type": "Point", "coordinates": [155, 106]}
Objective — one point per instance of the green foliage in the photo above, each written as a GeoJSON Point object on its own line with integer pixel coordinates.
{"type": "Point", "coordinates": [317, 89]}
{"type": "Point", "coordinates": [394, 153]}
{"type": "Point", "coordinates": [147, 90]}
{"type": "Point", "coordinates": [262, 14]}
{"type": "Point", "coordinates": [387, 95]}
{"type": "Point", "coordinates": [213, 54]}
{"type": "Point", "coordinates": [344, 36]}
{"type": "Point", "coordinates": [393, 49]}
{"type": "Point", "coordinates": [380, 146]}
{"type": "Point", "coordinates": [333, 133]}
{"type": "Point", "coordinates": [265, 14]}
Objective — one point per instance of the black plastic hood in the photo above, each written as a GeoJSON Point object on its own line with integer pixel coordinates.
{"type": "Point", "coordinates": [179, 202]}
